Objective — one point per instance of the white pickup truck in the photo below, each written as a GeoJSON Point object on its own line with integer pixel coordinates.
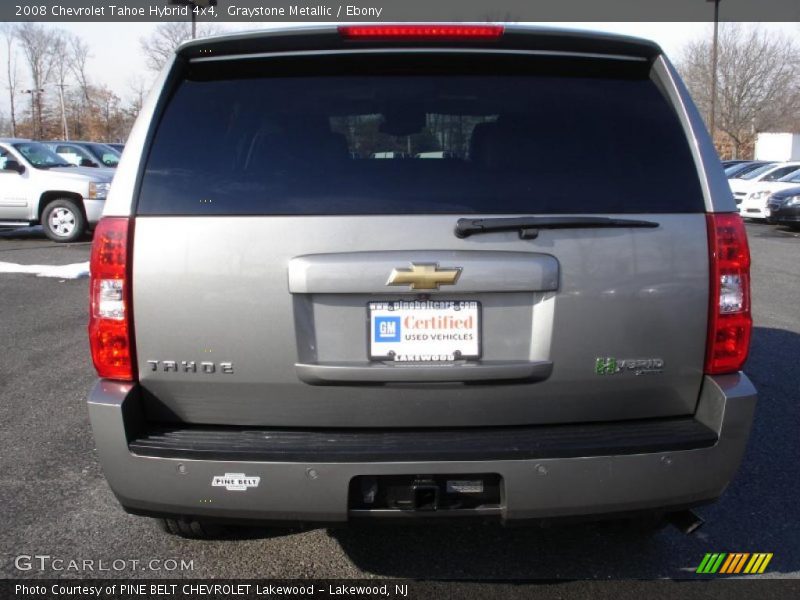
{"type": "Point", "coordinates": [39, 187]}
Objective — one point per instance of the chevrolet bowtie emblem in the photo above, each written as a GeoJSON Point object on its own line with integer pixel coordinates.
{"type": "Point", "coordinates": [424, 277]}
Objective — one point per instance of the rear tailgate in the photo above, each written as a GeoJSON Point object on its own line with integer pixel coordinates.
{"type": "Point", "coordinates": [285, 274]}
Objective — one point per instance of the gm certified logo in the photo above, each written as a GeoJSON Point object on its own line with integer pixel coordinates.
{"type": "Point", "coordinates": [424, 276]}
{"type": "Point", "coordinates": [387, 329]}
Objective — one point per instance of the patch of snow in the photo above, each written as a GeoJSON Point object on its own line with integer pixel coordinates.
{"type": "Point", "coordinates": [73, 271]}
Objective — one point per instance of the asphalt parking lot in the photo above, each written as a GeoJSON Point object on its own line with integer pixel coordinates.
{"type": "Point", "coordinates": [55, 501]}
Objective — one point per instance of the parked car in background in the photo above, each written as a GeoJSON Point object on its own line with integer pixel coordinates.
{"type": "Point", "coordinates": [730, 163]}
{"type": "Point", "coordinates": [783, 208]}
{"type": "Point", "coordinates": [499, 334]}
{"type": "Point", "coordinates": [118, 147]}
{"type": "Point", "coordinates": [754, 205]}
{"type": "Point", "coordinates": [744, 185]}
{"type": "Point", "coordinates": [39, 187]}
{"type": "Point", "coordinates": [741, 169]}
{"type": "Point", "coordinates": [86, 154]}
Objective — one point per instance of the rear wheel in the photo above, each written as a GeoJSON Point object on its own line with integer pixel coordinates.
{"type": "Point", "coordinates": [63, 220]}
{"type": "Point", "coordinates": [192, 528]}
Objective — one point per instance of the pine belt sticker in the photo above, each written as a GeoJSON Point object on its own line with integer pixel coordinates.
{"type": "Point", "coordinates": [235, 482]}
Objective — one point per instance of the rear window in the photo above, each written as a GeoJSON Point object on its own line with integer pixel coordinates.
{"type": "Point", "coordinates": [758, 171]}
{"type": "Point", "coordinates": [780, 173]}
{"type": "Point", "coordinates": [793, 177]}
{"type": "Point", "coordinates": [411, 142]}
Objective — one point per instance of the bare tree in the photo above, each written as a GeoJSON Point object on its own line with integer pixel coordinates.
{"type": "Point", "coordinates": [78, 55]}
{"type": "Point", "coordinates": [38, 45]}
{"type": "Point", "coordinates": [161, 44]}
{"type": "Point", "coordinates": [138, 88]}
{"type": "Point", "coordinates": [12, 81]}
{"type": "Point", "coordinates": [757, 82]}
{"type": "Point", "coordinates": [107, 112]}
{"type": "Point", "coordinates": [61, 72]}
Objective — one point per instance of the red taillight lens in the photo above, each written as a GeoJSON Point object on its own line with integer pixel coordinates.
{"type": "Point", "coordinates": [382, 32]}
{"type": "Point", "coordinates": [110, 323]}
{"type": "Point", "coordinates": [729, 321]}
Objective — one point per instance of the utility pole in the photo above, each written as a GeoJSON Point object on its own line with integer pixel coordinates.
{"type": "Point", "coordinates": [61, 87]}
{"type": "Point", "coordinates": [11, 72]}
{"type": "Point", "coordinates": [13, 115]}
{"type": "Point", "coordinates": [193, 4]}
{"type": "Point", "coordinates": [713, 117]}
{"type": "Point", "coordinates": [33, 94]}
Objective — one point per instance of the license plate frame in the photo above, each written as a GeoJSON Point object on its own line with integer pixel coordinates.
{"type": "Point", "coordinates": [469, 350]}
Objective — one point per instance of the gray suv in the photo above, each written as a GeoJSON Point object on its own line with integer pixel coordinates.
{"type": "Point", "coordinates": [539, 320]}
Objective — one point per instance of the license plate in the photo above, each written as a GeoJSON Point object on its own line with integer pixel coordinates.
{"type": "Point", "coordinates": [424, 330]}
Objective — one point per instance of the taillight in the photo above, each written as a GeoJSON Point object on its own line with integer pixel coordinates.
{"type": "Point", "coordinates": [110, 318]}
{"type": "Point", "coordinates": [729, 321]}
{"type": "Point", "coordinates": [381, 32]}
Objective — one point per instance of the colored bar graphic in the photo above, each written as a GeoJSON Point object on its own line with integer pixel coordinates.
{"type": "Point", "coordinates": [732, 559]}
{"type": "Point", "coordinates": [749, 567]}
{"type": "Point", "coordinates": [758, 563]}
{"type": "Point", "coordinates": [717, 564]}
{"type": "Point", "coordinates": [765, 563]}
{"type": "Point", "coordinates": [741, 562]}
{"type": "Point", "coordinates": [703, 564]}
{"type": "Point", "coordinates": [733, 563]}
{"type": "Point", "coordinates": [711, 563]}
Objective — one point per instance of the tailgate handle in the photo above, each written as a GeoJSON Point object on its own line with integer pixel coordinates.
{"type": "Point", "coordinates": [367, 272]}
{"type": "Point", "coordinates": [386, 372]}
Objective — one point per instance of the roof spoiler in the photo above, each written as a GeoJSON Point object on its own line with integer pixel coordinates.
{"type": "Point", "coordinates": [330, 38]}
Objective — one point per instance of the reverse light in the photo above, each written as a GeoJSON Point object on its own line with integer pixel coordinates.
{"type": "Point", "coordinates": [385, 32]}
{"type": "Point", "coordinates": [110, 319]}
{"type": "Point", "coordinates": [110, 299]}
{"type": "Point", "coordinates": [729, 321]}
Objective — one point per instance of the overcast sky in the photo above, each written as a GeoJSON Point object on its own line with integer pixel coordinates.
{"type": "Point", "coordinates": [116, 57]}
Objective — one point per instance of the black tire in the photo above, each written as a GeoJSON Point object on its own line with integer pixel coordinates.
{"type": "Point", "coordinates": [63, 220]}
{"type": "Point", "coordinates": [193, 529]}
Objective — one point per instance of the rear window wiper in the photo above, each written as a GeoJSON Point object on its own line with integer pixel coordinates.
{"type": "Point", "coordinates": [529, 227]}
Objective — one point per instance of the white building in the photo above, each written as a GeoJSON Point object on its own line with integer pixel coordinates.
{"type": "Point", "coordinates": [778, 146]}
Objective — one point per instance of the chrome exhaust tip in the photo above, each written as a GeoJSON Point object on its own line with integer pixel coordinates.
{"type": "Point", "coordinates": [685, 521]}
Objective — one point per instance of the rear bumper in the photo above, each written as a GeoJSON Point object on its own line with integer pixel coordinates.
{"type": "Point", "coordinates": [785, 214]}
{"type": "Point", "coordinates": [546, 483]}
{"type": "Point", "coordinates": [752, 211]}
